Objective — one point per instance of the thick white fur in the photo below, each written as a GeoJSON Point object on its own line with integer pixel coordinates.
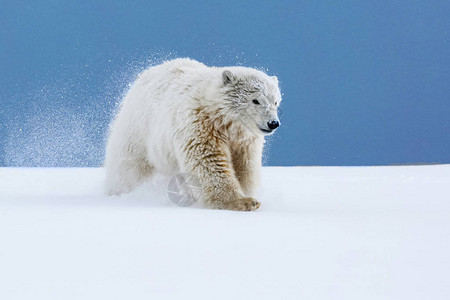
{"type": "Point", "coordinates": [184, 117]}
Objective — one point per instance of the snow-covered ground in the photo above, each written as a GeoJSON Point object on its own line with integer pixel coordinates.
{"type": "Point", "coordinates": [321, 233]}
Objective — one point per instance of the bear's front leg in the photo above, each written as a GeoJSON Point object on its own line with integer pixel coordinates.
{"type": "Point", "coordinates": [209, 159]}
{"type": "Point", "coordinates": [247, 160]}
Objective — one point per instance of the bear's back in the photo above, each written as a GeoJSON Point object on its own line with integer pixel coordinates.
{"type": "Point", "coordinates": [170, 73]}
{"type": "Point", "coordinates": [183, 63]}
{"type": "Point", "coordinates": [176, 67]}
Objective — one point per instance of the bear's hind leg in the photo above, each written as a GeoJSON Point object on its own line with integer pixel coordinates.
{"type": "Point", "coordinates": [127, 175]}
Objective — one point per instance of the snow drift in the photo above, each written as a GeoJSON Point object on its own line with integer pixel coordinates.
{"type": "Point", "coordinates": [321, 233]}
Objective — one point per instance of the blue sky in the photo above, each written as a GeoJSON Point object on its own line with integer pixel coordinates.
{"type": "Point", "coordinates": [363, 82]}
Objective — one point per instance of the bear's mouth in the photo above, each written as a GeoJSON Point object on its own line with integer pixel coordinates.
{"type": "Point", "coordinates": [265, 130]}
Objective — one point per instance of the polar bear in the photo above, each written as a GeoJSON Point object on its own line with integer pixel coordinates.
{"type": "Point", "coordinates": [184, 117]}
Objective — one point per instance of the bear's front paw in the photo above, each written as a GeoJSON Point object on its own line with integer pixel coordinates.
{"type": "Point", "coordinates": [245, 204]}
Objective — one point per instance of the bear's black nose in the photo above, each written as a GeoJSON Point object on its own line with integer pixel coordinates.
{"type": "Point", "coordinates": [273, 124]}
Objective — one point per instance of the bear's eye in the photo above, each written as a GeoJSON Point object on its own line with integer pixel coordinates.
{"type": "Point", "coordinates": [276, 103]}
{"type": "Point", "coordinates": [255, 101]}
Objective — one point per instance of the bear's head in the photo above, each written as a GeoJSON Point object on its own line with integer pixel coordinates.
{"type": "Point", "coordinates": [254, 98]}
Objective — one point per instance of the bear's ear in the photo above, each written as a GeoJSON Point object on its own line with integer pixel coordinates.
{"type": "Point", "coordinates": [275, 78]}
{"type": "Point", "coordinates": [228, 77]}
